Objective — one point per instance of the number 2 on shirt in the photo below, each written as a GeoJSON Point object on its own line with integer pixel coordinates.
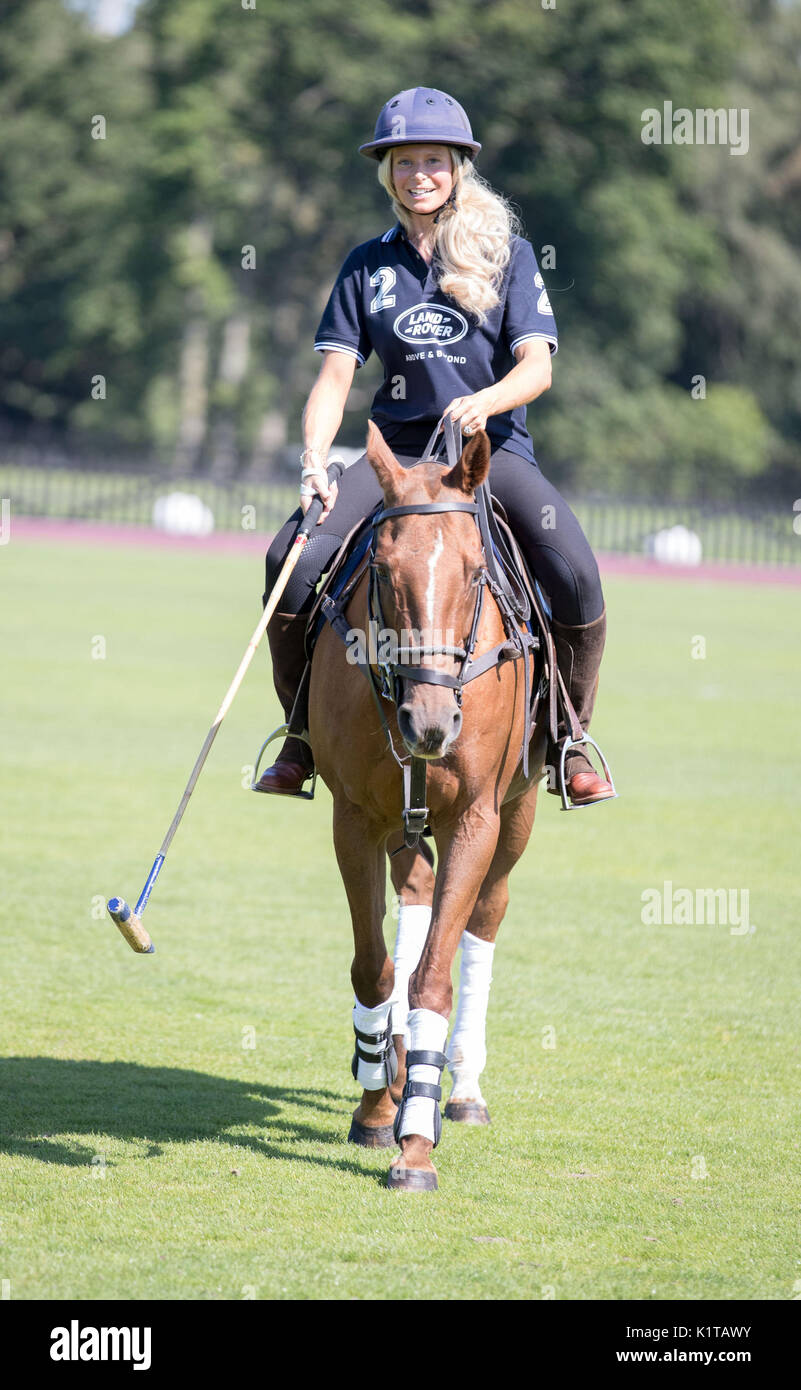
{"type": "Point", "coordinates": [385, 277]}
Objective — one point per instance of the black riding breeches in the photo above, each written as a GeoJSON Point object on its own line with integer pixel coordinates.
{"type": "Point", "coordinates": [542, 523]}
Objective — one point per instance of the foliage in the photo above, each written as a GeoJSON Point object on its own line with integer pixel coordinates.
{"type": "Point", "coordinates": [230, 128]}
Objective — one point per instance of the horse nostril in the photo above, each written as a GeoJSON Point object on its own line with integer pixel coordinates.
{"type": "Point", "coordinates": [405, 722]}
{"type": "Point", "coordinates": [457, 723]}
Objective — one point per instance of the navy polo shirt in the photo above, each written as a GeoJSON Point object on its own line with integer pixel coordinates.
{"type": "Point", "coordinates": [386, 300]}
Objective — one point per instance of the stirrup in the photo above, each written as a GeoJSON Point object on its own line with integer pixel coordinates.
{"type": "Point", "coordinates": [568, 743]}
{"type": "Point", "coordinates": [283, 731]}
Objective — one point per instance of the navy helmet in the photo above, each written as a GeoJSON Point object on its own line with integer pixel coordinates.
{"type": "Point", "coordinates": [421, 116]}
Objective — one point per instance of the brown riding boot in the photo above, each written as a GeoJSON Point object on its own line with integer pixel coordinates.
{"type": "Point", "coordinates": [294, 764]}
{"type": "Point", "coordinates": [578, 653]}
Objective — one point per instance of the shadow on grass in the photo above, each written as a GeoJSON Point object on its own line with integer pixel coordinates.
{"type": "Point", "coordinates": [44, 1098]}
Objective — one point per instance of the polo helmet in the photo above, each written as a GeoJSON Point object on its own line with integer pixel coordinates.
{"type": "Point", "coordinates": [421, 116]}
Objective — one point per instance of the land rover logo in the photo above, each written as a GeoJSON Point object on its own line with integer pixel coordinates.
{"type": "Point", "coordinates": [430, 323]}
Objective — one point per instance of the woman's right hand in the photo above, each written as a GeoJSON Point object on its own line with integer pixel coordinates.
{"type": "Point", "coordinates": [317, 483]}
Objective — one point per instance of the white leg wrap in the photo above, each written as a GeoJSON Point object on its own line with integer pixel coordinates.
{"type": "Point", "coordinates": [428, 1032]}
{"type": "Point", "coordinates": [372, 1076]}
{"type": "Point", "coordinates": [467, 1049]}
{"type": "Point", "coordinates": [413, 922]}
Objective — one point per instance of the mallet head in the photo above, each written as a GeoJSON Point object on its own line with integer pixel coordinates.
{"type": "Point", "coordinates": [130, 926]}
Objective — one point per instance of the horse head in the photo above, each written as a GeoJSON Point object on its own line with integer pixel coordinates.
{"type": "Point", "coordinates": [427, 571]}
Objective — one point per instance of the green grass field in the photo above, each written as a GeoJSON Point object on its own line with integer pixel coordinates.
{"type": "Point", "coordinates": [174, 1126]}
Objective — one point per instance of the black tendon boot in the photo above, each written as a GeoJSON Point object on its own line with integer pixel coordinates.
{"type": "Point", "coordinates": [578, 653]}
{"type": "Point", "coordinates": [294, 764]}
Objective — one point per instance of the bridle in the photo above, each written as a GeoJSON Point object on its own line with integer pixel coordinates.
{"type": "Point", "coordinates": [386, 680]}
{"type": "Point", "coordinates": [392, 672]}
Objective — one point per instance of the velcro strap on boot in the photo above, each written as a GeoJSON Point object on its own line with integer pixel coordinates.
{"type": "Point", "coordinates": [426, 1059]}
{"type": "Point", "coordinates": [422, 1088]}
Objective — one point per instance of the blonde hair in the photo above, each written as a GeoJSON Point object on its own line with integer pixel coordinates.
{"type": "Point", "coordinates": [472, 239]}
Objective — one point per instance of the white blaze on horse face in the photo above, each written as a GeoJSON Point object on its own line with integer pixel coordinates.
{"type": "Point", "coordinates": [432, 564]}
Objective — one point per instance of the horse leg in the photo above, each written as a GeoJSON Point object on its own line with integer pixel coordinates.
{"type": "Point", "coordinates": [412, 872]}
{"type": "Point", "coordinates": [362, 863]}
{"type": "Point", "coordinates": [467, 1049]}
{"type": "Point", "coordinates": [465, 853]}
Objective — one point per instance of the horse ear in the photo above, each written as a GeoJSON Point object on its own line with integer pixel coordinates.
{"type": "Point", "coordinates": [473, 466]}
{"type": "Point", "coordinates": [382, 460]}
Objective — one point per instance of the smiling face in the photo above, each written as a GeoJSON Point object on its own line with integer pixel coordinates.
{"type": "Point", "coordinates": [422, 175]}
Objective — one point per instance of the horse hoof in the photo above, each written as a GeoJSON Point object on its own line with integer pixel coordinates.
{"type": "Point", "coordinates": [403, 1179]}
{"type": "Point", "coordinates": [371, 1136]}
{"type": "Point", "coordinates": [467, 1112]}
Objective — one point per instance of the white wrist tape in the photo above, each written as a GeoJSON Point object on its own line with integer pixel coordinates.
{"type": "Point", "coordinates": [413, 924]}
{"type": "Point", "coordinates": [428, 1032]}
{"type": "Point", "coordinates": [372, 1076]}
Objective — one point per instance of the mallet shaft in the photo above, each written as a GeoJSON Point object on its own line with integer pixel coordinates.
{"type": "Point", "coordinates": [306, 527]}
{"type": "Point", "coordinates": [127, 921]}
{"type": "Point", "coordinates": [275, 597]}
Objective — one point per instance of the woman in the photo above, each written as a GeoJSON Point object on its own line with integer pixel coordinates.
{"type": "Point", "coordinates": [447, 298]}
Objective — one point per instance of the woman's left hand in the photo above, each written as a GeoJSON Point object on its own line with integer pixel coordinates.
{"type": "Point", "coordinates": [471, 411]}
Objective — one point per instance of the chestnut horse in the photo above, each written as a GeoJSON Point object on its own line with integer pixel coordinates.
{"type": "Point", "coordinates": [427, 566]}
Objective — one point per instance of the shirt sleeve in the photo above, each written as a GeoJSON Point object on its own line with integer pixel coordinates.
{"type": "Point", "coordinates": [528, 313]}
{"type": "Point", "coordinates": [342, 327]}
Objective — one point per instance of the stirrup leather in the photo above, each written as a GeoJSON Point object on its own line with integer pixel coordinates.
{"type": "Point", "coordinates": [283, 731]}
{"type": "Point", "coordinates": [422, 1088]}
{"type": "Point", "coordinates": [567, 744]}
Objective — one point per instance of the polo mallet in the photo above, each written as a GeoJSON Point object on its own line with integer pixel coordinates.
{"type": "Point", "coordinates": [129, 922]}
